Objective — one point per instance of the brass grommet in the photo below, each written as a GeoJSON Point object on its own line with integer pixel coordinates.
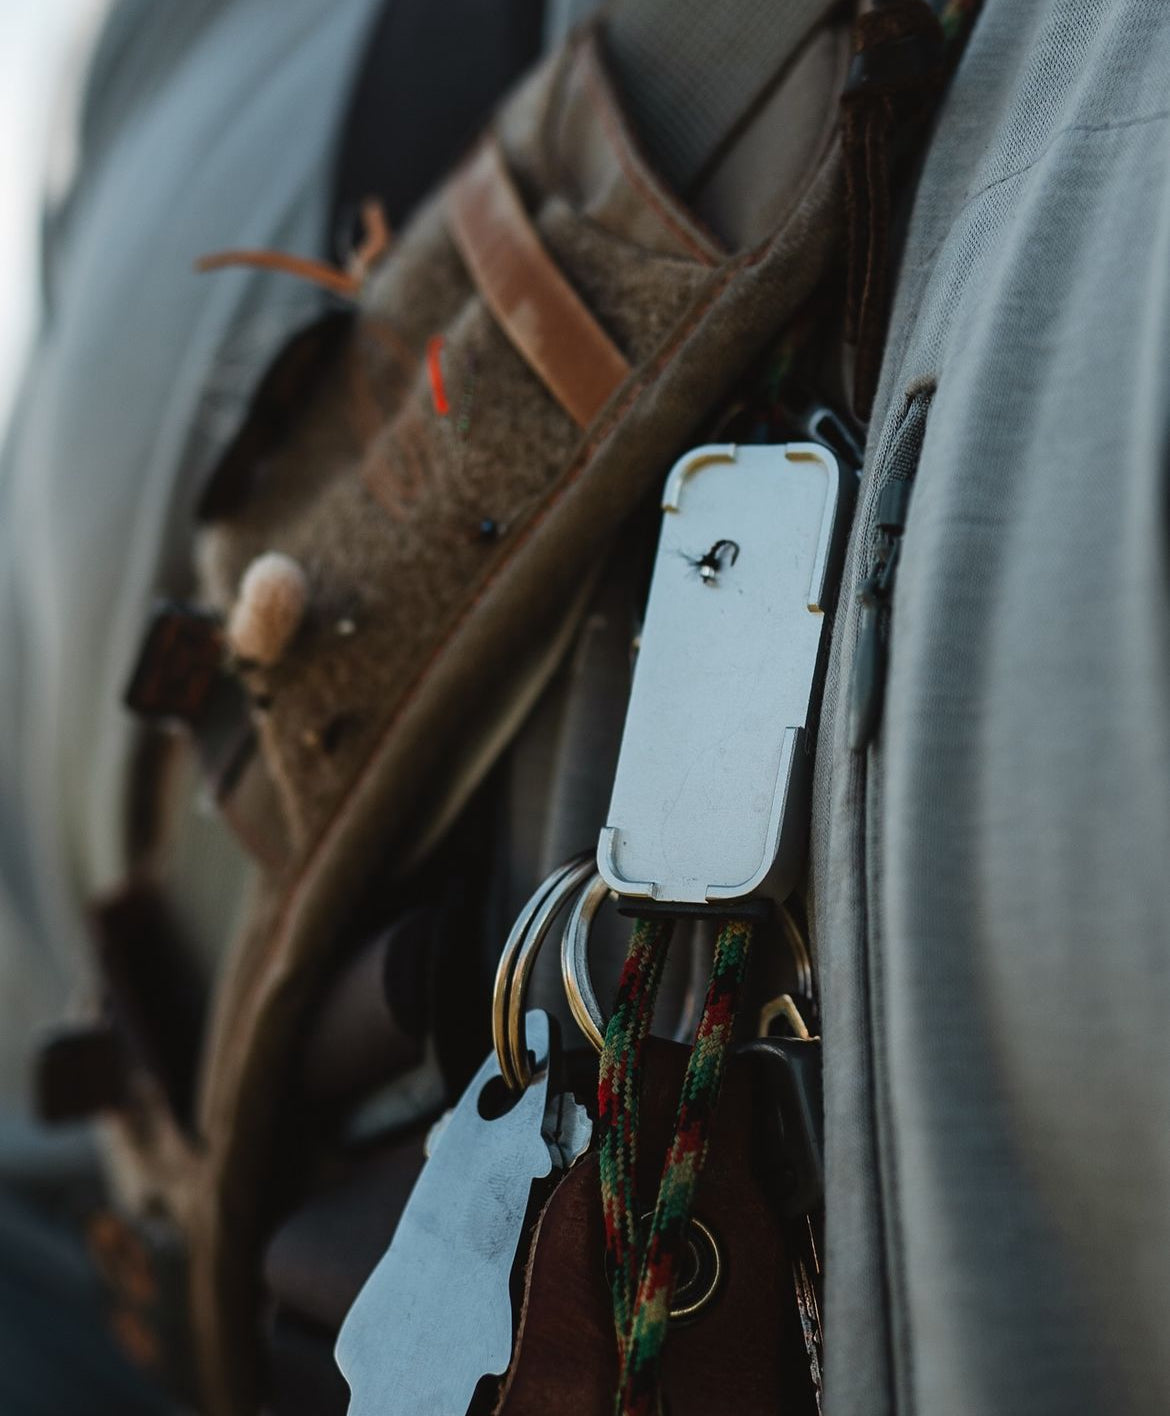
{"type": "Point", "coordinates": [699, 1283]}
{"type": "Point", "coordinates": [693, 1293]}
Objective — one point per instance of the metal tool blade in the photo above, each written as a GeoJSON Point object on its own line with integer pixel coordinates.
{"type": "Point", "coordinates": [435, 1316]}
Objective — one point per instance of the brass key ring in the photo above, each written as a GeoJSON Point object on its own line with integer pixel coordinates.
{"type": "Point", "coordinates": [575, 959]}
{"type": "Point", "coordinates": [575, 962]}
{"type": "Point", "coordinates": [580, 878]}
{"type": "Point", "coordinates": [535, 920]}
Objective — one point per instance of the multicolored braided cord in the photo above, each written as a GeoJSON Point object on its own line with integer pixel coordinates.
{"type": "Point", "coordinates": [617, 1097]}
{"type": "Point", "coordinates": [644, 1279]}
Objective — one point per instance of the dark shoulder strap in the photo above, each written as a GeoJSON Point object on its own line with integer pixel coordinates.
{"type": "Point", "coordinates": [431, 75]}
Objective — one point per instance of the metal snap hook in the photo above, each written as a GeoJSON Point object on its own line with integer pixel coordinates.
{"type": "Point", "coordinates": [509, 1035]}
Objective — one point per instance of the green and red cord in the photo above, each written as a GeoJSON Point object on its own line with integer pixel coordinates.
{"type": "Point", "coordinates": [644, 1274]}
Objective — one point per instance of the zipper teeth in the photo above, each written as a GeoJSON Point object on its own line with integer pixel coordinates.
{"type": "Point", "coordinates": [899, 464]}
{"type": "Point", "coordinates": [887, 523]}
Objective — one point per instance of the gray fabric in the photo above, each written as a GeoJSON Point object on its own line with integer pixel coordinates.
{"type": "Point", "coordinates": [206, 125]}
{"type": "Point", "coordinates": [691, 72]}
{"type": "Point", "coordinates": [991, 895]}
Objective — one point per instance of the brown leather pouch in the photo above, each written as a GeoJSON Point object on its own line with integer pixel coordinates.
{"type": "Point", "coordinates": [448, 469]}
{"type": "Point", "coordinates": [740, 1352]}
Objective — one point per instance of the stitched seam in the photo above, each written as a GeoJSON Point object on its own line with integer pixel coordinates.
{"type": "Point", "coordinates": [636, 177]}
{"type": "Point", "coordinates": [873, 1086]}
{"type": "Point", "coordinates": [894, 358]}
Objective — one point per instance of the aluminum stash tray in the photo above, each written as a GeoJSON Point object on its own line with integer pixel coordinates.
{"type": "Point", "coordinates": [709, 800]}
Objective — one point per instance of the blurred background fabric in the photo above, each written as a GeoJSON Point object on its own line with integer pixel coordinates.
{"type": "Point", "coordinates": [43, 51]}
{"type": "Point", "coordinates": [135, 139]}
{"type": "Point", "coordinates": [200, 125]}
{"type": "Point", "coordinates": [44, 48]}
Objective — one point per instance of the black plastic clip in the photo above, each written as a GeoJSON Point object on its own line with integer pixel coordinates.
{"type": "Point", "coordinates": [791, 1135]}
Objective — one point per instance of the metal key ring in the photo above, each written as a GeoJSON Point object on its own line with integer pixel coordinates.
{"type": "Point", "coordinates": [523, 944]}
{"type": "Point", "coordinates": [575, 959]}
{"type": "Point", "coordinates": [557, 898]}
{"type": "Point", "coordinates": [575, 962]}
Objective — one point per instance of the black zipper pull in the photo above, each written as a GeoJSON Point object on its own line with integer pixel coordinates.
{"type": "Point", "coordinates": [868, 690]}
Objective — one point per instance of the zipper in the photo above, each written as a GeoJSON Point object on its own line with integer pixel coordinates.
{"type": "Point", "coordinates": [875, 596]}
{"type": "Point", "coordinates": [883, 534]}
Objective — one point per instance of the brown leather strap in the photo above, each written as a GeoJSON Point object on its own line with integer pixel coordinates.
{"type": "Point", "coordinates": [897, 74]}
{"type": "Point", "coordinates": [535, 305]}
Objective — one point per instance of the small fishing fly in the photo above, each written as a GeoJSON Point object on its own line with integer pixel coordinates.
{"type": "Point", "coordinates": [708, 566]}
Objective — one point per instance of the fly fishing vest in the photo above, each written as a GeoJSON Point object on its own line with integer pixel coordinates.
{"type": "Point", "coordinates": [434, 486]}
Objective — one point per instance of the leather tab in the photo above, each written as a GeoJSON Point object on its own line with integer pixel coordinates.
{"type": "Point", "coordinates": [178, 666]}
{"type": "Point", "coordinates": [533, 303]}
